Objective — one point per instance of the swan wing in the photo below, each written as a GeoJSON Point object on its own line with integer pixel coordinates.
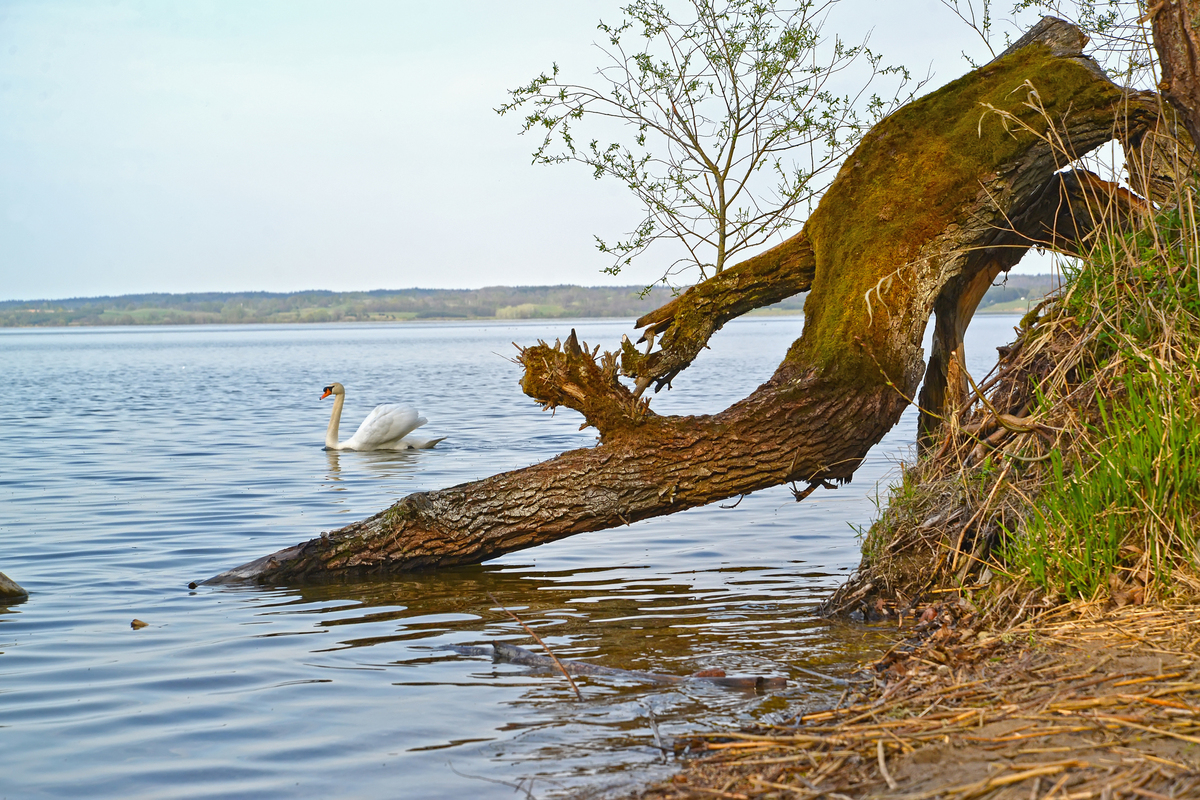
{"type": "Point", "coordinates": [416, 443]}
{"type": "Point", "coordinates": [384, 427]}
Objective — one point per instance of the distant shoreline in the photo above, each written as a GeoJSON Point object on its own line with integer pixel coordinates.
{"type": "Point", "coordinates": [496, 303]}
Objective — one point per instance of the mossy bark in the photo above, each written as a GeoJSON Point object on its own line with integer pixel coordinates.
{"type": "Point", "coordinates": [937, 199]}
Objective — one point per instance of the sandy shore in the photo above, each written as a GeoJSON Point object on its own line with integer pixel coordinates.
{"type": "Point", "coordinates": [1081, 702]}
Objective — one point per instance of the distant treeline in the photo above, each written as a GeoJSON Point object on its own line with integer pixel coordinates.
{"type": "Point", "coordinates": [385, 305]}
{"type": "Point", "coordinates": [494, 302]}
{"type": "Point", "coordinates": [1018, 292]}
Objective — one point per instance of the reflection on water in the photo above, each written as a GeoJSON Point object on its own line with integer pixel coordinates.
{"type": "Point", "coordinates": [137, 460]}
{"type": "Point", "coordinates": [385, 464]}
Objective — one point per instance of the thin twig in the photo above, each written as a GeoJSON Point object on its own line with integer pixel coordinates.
{"type": "Point", "coordinates": [545, 646]}
{"type": "Point", "coordinates": [516, 787]}
{"type": "Point", "coordinates": [887, 776]}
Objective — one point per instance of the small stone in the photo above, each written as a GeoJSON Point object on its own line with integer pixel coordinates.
{"type": "Point", "coordinates": [137, 623]}
{"type": "Point", "coordinates": [10, 589]}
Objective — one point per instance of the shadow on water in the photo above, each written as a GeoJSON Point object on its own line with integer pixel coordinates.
{"type": "Point", "coordinates": [747, 620]}
{"type": "Point", "coordinates": [611, 616]}
{"type": "Point", "coordinates": [8, 605]}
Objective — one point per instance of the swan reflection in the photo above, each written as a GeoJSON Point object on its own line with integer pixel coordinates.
{"type": "Point", "coordinates": [388, 464]}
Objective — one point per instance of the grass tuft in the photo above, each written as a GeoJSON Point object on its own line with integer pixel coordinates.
{"type": "Point", "coordinates": [1125, 512]}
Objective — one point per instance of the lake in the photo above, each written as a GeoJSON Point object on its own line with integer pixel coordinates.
{"type": "Point", "coordinates": [136, 460]}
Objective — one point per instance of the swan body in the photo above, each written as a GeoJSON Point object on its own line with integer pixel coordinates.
{"type": "Point", "coordinates": [387, 427]}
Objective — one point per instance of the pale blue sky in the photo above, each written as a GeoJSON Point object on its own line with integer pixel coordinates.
{"type": "Point", "coordinates": [282, 145]}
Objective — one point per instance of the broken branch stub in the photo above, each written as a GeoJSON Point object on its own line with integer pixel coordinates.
{"type": "Point", "coordinates": [685, 324]}
{"type": "Point", "coordinates": [567, 375]}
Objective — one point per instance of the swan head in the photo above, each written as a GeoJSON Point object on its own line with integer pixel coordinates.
{"type": "Point", "coordinates": [333, 388]}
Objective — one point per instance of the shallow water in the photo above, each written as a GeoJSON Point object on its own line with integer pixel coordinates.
{"type": "Point", "coordinates": [136, 460]}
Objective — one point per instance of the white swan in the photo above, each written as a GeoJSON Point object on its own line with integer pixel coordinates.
{"type": "Point", "coordinates": [385, 428]}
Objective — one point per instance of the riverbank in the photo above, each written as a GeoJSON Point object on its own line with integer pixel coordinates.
{"type": "Point", "coordinates": [1043, 555]}
{"type": "Point", "coordinates": [1082, 701]}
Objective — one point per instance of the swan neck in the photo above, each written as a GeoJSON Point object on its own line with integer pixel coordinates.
{"type": "Point", "coordinates": [335, 417]}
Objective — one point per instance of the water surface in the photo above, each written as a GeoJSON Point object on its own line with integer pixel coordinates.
{"type": "Point", "coordinates": [136, 460]}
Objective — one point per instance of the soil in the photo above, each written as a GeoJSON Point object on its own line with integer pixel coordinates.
{"type": "Point", "coordinates": [1081, 702]}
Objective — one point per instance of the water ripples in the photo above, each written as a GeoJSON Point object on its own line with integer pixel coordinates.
{"type": "Point", "coordinates": [137, 460]}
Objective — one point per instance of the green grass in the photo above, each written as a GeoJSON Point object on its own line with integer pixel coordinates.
{"type": "Point", "coordinates": [1130, 506]}
{"type": "Point", "coordinates": [1119, 506]}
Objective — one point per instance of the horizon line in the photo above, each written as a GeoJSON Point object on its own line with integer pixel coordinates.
{"type": "Point", "coordinates": [638, 286]}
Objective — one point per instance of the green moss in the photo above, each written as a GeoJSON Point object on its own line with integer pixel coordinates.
{"type": "Point", "coordinates": [398, 513]}
{"type": "Point", "coordinates": [912, 176]}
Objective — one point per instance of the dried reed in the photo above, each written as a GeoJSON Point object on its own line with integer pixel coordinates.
{"type": "Point", "coordinates": [1077, 703]}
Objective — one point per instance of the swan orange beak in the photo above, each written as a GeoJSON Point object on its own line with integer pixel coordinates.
{"type": "Point", "coordinates": [327, 393]}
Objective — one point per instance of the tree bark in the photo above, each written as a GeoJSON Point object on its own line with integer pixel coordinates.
{"type": "Point", "coordinates": [1061, 218]}
{"type": "Point", "coordinates": [935, 201]}
{"type": "Point", "coordinates": [1177, 41]}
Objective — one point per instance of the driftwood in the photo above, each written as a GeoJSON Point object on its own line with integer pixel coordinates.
{"type": "Point", "coordinates": [937, 200]}
{"type": "Point", "coordinates": [10, 589]}
{"type": "Point", "coordinates": [502, 652]}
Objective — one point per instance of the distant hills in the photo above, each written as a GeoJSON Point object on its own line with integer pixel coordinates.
{"type": "Point", "coordinates": [1017, 293]}
{"type": "Point", "coordinates": [383, 305]}
{"type": "Point", "coordinates": [386, 305]}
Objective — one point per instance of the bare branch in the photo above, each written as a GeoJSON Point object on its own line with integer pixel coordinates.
{"type": "Point", "coordinates": [716, 99]}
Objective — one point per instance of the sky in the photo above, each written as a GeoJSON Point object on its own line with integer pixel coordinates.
{"type": "Point", "coordinates": [285, 145]}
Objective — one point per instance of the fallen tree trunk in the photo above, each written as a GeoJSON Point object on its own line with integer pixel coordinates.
{"type": "Point", "coordinates": [937, 200]}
